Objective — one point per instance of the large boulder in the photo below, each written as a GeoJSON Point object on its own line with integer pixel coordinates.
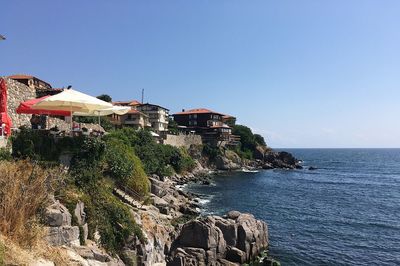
{"type": "Point", "coordinates": [63, 235]}
{"type": "Point", "coordinates": [223, 163]}
{"type": "Point", "coordinates": [213, 240]}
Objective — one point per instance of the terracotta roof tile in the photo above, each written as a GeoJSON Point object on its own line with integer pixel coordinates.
{"type": "Point", "coordinates": [197, 111]}
{"type": "Point", "coordinates": [20, 76]}
{"type": "Point", "coordinates": [130, 103]}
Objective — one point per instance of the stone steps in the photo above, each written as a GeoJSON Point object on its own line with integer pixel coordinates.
{"type": "Point", "coordinates": [127, 199]}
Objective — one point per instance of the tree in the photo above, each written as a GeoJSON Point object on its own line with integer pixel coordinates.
{"type": "Point", "coordinates": [105, 97]}
{"type": "Point", "coordinates": [248, 140]}
{"type": "Point", "coordinates": [246, 137]}
{"type": "Point", "coordinates": [260, 139]}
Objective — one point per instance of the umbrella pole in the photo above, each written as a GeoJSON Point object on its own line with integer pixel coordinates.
{"type": "Point", "coordinates": [72, 127]}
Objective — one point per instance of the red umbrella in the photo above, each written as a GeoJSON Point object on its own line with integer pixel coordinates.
{"type": "Point", "coordinates": [4, 117]}
{"type": "Point", "coordinates": [26, 108]}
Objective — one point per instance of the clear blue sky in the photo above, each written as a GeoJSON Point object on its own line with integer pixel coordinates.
{"type": "Point", "coordinates": [308, 73]}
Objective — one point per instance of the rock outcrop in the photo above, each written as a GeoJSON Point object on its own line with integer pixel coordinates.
{"type": "Point", "coordinates": [230, 240]}
{"type": "Point", "coordinates": [59, 230]}
{"type": "Point", "coordinates": [228, 161]}
{"type": "Point", "coordinates": [281, 159]}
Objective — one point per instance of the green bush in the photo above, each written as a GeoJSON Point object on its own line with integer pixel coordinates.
{"type": "Point", "coordinates": [90, 152]}
{"type": "Point", "coordinates": [259, 139]}
{"type": "Point", "coordinates": [125, 167]}
{"type": "Point", "coordinates": [33, 144]}
{"type": "Point", "coordinates": [111, 218]}
{"type": "Point", "coordinates": [248, 141]}
{"type": "Point", "coordinates": [5, 154]}
{"type": "Point", "coordinates": [119, 160]}
{"type": "Point", "coordinates": [37, 145]}
{"type": "Point", "coordinates": [157, 158]}
{"type": "Point", "coordinates": [211, 152]}
{"type": "Point", "coordinates": [104, 213]}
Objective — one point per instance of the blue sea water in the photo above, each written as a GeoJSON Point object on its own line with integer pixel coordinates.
{"type": "Point", "coordinates": [347, 212]}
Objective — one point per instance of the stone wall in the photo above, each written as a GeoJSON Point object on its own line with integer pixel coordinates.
{"type": "Point", "coordinates": [17, 93]}
{"type": "Point", "coordinates": [183, 140]}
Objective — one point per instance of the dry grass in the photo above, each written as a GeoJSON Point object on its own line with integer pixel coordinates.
{"type": "Point", "coordinates": [13, 254]}
{"type": "Point", "coordinates": [24, 189]}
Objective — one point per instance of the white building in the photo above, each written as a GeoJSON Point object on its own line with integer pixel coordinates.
{"type": "Point", "coordinates": [158, 116]}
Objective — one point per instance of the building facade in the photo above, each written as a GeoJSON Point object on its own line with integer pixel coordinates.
{"type": "Point", "coordinates": [133, 118]}
{"type": "Point", "coordinates": [158, 116]}
{"type": "Point", "coordinates": [209, 124]}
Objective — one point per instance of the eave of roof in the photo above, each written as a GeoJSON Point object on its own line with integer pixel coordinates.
{"type": "Point", "coordinates": [198, 111]}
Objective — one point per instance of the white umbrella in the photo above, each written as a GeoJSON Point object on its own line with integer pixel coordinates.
{"type": "Point", "coordinates": [72, 101]}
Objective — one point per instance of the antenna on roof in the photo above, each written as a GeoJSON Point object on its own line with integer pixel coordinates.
{"type": "Point", "coordinates": [142, 96]}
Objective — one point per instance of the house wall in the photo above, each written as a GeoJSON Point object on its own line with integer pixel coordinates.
{"type": "Point", "coordinates": [183, 140]}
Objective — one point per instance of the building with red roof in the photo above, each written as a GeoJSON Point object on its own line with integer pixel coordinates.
{"type": "Point", "coordinates": [209, 124]}
{"type": "Point", "coordinates": [31, 81]}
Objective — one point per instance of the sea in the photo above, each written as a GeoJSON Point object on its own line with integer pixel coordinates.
{"type": "Point", "coordinates": [346, 212]}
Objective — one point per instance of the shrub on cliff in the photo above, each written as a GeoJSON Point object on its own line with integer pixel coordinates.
{"type": "Point", "coordinates": [32, 144]}
{"type": "Point", "coordinates": [35, 145]}
{"type": "Point", "coordinates": [156, 158]}
{"type": "Point", "coordinates": [104, 213]}
{"type": "Point", "coordinates": [125, 167]}
{"type": "Point", "coordinates": [248, 141]}
{"type": "Point", "coordinates": [211, 152]}
{"type": "Point", "coordinates": [111, 217]}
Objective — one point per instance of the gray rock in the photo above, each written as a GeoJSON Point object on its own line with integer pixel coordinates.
{"type": "Point", "coordinates": [280, 160]}
{"type": "Point", "coordinates": [235, 255]}
{"type": "Point", "coordinates": [57, 215]}
{"type": "Point", "coordinates": [85, 229]}
{"type": "Point", "coordinates": [233, 215]}
{"type": "Point", "coordinates": [129, 257]}
{"type": "Point", "coordinates": [63, 235]}
{"type": "Point", "coordinates": [223, 163]}
{"type": "Point", "coordinates": [79, 213]}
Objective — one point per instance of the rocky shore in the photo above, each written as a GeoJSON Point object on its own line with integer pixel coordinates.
{"type": "Point", "coordinates": [174, 233]}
